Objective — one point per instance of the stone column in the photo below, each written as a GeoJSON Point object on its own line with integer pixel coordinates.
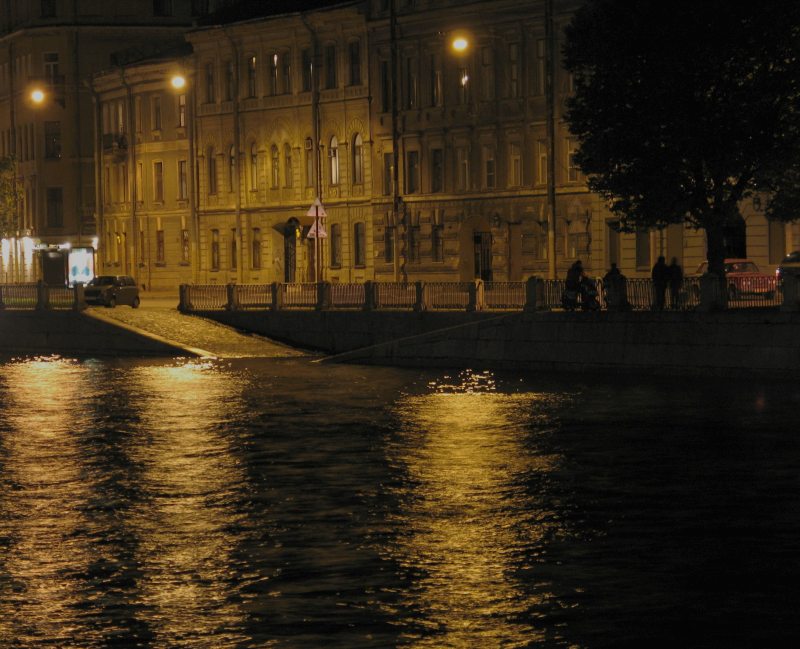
{"type": "Point", "coordinates": [323, 296]}
{"type": "Point", "coordinates": [79, 301]}
{"type": "Point", "coordinates": [617, 293]}
{"type": "Point", "coordinates": [421, 303]}
{"type": "Point", "coordinates": [533, 288]}
{"type": "Point", "coordinates": [370, 295]}
{"type": "Point", "coordinates": [712, 297]}
{"type": "Point", "coordinates": [277, 296]}
{"type": "Point", "coordinates": [42, 296]}
{"type": "Point", "coordinates": [233, 298]}
{"type": "Point", "coordinates": [790, 288]}
{"type": "Point", "coordinates": [476, 296]}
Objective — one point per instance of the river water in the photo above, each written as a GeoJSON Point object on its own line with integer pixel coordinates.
{"type": "Point", "coordinates": [281, 503]}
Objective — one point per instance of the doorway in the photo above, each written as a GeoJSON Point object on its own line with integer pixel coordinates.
{"type": "Point", "coordinates": [482, 246]}
{"type": "Point", "coordinates": [290, 233]}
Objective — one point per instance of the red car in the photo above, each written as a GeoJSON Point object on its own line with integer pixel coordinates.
{"type": "Point", "coordinates": [744, 279]}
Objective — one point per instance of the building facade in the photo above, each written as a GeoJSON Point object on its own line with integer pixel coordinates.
{"type": "Point", "coordinates": [431, 162]}
{"type": "Point", "coordinates": [55, 47]}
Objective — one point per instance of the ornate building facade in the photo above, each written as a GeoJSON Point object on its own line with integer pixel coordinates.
{"type": "Point", "coordinates": [432, 163]}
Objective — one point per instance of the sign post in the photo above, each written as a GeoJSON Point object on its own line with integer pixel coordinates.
{"type": "Point", "coordinates": [317, 232]}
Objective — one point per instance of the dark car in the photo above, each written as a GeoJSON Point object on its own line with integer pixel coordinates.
{"type": "Point", "coordinates": [110, 290]}
{"type": "Point", "coordinates": [790, 265]}
{"type": "Point", "coordinates": [744, 279]}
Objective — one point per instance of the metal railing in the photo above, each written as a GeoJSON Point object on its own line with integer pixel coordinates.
{"type": "Point", "coordinates": [504, 295]}
{"type": "Point", "coordinates": [347, 296]}
{"type": "Point", "coordinates": [18, 296]}
{"type": "Point", "coordinates": [254, 296]}
{"type": "Point", "coordinates": [39, 296]}
{"type": "Point", "coordinates": [448, 295]}
{"type": "Point", "coordinates": [208, 297]}
{"type": "Point", "coordinates": [395, 295]}
{"type": "Point", "coordinates": [302, 296]}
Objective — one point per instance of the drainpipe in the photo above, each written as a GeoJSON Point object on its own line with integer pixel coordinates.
{"type": "Point", "coordinates": [316, 129]}
{"type": "Point", "coordinates": [551, 137]}
{"type": "Point", "coordinates": [398, 217]}
{"type": "Point", "coordinates": [194, 176]}
{"type": "Point", "coordinates": [237, 161]}
{"type": "Point", "coordinates": [132, 172]}
{"type": "Point", "coordinates": [99, 214]}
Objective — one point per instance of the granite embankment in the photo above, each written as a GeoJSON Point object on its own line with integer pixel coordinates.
{"type": "Point", "coordinates": [82, 333]}
{"type": "Point", "coordinates": [742, 342]}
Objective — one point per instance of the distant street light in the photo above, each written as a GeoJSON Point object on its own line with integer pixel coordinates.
{"type": "Point", "coordinates": [178, 81]}
{"type": "Point", "coordinates": [37, 95]}
{"type": "Point", "coordinates": [460, 44]}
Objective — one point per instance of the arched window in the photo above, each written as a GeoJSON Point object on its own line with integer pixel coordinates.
{"type": "Point", "coordinates": [276, 168]}
{"type": "Point", "coordinates": [336, 245]}
{"type": "Point", "coordinates": [333, 154]}
{"type": "Point", "coordinates": [287, 165]}
{"type": "Point", "coordinates": [211, 167]}
{"type": "Point", "coordinates": [231, 167]}
{"type": "Point", "coordinates": [358, 160]}
{"type": "Point", "coordinates": [253, 166]}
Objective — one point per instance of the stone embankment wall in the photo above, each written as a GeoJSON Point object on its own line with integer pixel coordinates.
{"type": "Point", "coordinates": [77, 333]}
{"type": "Point", "coordinates": [747, 341]}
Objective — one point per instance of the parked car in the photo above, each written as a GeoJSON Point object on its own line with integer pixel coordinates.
{"type": "Point", "coordinates": [110, 290]}
{"type": "Point", "coordinates": [744, 279]}
{"type": "Point", "coordinates": [790, 265]}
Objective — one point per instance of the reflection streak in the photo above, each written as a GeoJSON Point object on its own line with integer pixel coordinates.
{"type": "Point", "coordinates": [466, 516]}
{"type": "Point", "coordinates": [190, 477]}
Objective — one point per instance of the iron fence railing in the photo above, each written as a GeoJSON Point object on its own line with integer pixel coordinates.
{"type": "Point", "coordinates": [303, 296]}
{"type": "Point", "coordinates": [504, 295]}
{"type": "Point", "coordinates": [539, 294]}
{"type": "Point", "coordinates": [254, 296]}
{"type": "Point", "coordinates": [18, 296]}
{"type": "Point", "coordinates": [395, 295]}
{"type": "Point", "coordinates": [207, 297]}
{"type": "Point", "coordinates": [448, 295]}
{"type": "Point", "coordinates": [347, 296]}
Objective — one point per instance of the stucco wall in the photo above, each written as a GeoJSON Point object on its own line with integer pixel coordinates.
{"type": "Point", "coordinates": [735, 342]}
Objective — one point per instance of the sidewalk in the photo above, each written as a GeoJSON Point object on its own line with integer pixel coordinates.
{"type": "Point", "coordinates": [158, 314]}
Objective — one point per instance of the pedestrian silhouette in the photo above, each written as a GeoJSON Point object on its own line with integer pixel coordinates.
{"type": "Point", "coordinates": [660, 280]}
{"type": "Point", "coordinates": [675, 283]}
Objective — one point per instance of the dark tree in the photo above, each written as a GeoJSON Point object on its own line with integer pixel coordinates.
{"type": "Point", "coordinates": [684, 108]}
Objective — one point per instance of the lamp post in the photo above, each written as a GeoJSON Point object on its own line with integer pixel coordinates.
{"type": "Point", "coordinates": [181, 84]}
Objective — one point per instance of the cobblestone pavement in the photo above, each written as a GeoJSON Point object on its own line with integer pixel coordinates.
{"type": "Point", "coordinates": [158, 314]}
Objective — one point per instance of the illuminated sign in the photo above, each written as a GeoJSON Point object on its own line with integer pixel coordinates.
{"type": "Point", "coordinates": [80, 265]}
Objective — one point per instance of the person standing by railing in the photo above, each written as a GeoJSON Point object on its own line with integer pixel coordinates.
{"type": "Point", "coordinates": [660, 277]}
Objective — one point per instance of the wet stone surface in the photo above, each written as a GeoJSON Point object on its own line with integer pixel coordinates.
{"type": "Point", "coordinates": [159, 315]}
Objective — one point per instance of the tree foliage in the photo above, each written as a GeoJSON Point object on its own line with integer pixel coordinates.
{"type": "Point", "coordinates": [10, 195]}
{"type": "Point", "coordinates": [684, 108]}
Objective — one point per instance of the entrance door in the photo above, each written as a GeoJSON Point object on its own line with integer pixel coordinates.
{"type": "Point", "coordinates": [290, 251]}
{"type": "Point", "coordinates": [483, 255]}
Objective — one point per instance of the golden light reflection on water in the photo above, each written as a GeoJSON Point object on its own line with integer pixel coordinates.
{"type": "Point", "coordinates": [189, 472]}
{"type": "Point", "coordinates": [466, 515]}
{"type": "Point", "coordinates": [42, 512]}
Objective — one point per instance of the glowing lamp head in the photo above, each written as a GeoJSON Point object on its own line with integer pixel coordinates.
{"type": "Point", "coordinates": [37, 95]}
{"type": "Point", "coordinates": [460, 44]}
{"type": "Point", "coordinates": [178, 82]}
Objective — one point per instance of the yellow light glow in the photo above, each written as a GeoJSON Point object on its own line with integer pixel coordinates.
{"type": "Point", "coordinates": [37, 95]}
{"type": "Point", "coordinates": [178, 81]}
{"type": "Point", "coordinates": [460, 44]}
{"type": "Point", "coordinates": [27, 250]}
